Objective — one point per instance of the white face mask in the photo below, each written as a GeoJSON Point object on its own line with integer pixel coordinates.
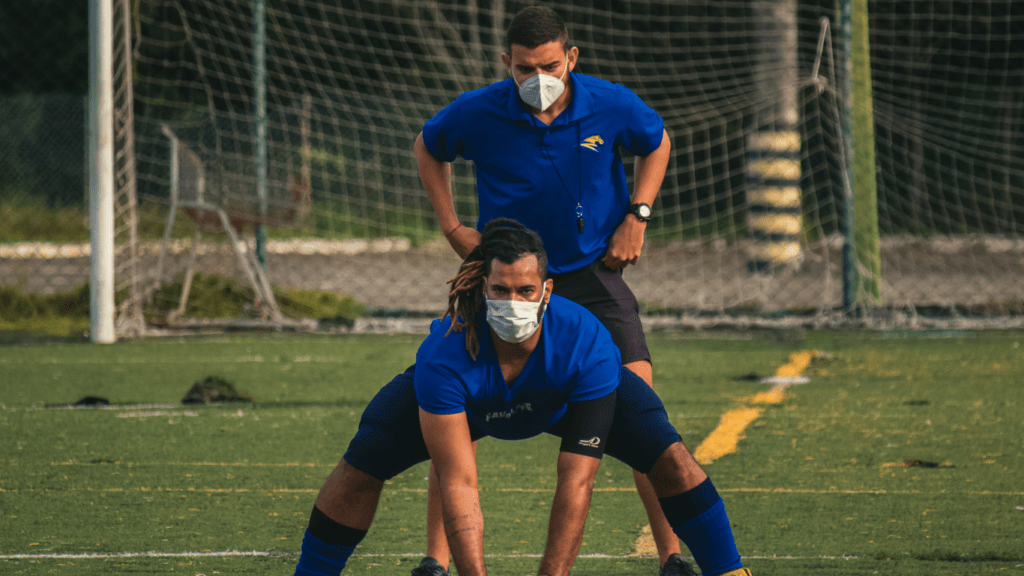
{"type": "Point", "coordinates": [541, 90]}
{"type": "Point", "coordinates": [514, 320]}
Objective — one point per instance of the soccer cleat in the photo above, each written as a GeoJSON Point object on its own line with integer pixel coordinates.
{"type": "Point", "coordinates": [737, 572]}
{"type": "Point", "coordinates": [429, 567]}
{"type": "Point", "coordinates": [676, 566]}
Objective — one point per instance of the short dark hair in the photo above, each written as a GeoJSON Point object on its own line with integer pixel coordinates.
{"type": "Point", "coordinates": [534, 26]}
{"type": "Point", "coordinates": [509, 241]}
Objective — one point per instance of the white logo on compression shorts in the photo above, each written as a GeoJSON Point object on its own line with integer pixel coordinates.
{"type": "Point", "coordinates": [591, 442]}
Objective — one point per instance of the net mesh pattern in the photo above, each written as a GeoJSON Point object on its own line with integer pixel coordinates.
{"type": "Point", "coordinates": [744, 223]}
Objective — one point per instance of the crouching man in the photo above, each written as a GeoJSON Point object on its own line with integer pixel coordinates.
{"type": "Point", "coordinates": [511, 361]}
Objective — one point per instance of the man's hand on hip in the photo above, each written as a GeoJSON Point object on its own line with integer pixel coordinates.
{"type": "Point", "coordinates": [463, 240]}
{"type": "Point", "coordinates": [626, 243]}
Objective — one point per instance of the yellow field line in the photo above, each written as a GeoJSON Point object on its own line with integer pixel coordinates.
{"type": "Point", "coordinates": [877, 492]}
{"type": "Point", "coordinates": [160, 489]}
{"type": "Point", "coordinates": [230, 464]}
{"type": "Point", "coordinates": [725, 438]}
{"type": "Point", "coordinates": [798, 362]}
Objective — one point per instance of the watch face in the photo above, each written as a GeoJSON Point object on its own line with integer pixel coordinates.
{"type": "Point", "coordinates": [643, 211]}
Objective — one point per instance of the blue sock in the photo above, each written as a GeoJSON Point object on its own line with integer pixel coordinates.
{"type": "Point", "coordinates": [698, 517]}
{"type": "Point", "coordinates": [327, 546]}
{"type": "Point", "coordinates": [319, 559]}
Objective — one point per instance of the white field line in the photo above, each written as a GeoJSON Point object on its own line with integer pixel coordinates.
{"type": "Point", "coordinates": [258, 358]}
{"type": "Point", "coordinates": [161, 489]}
{"type": "Point", "coordinates": [260, 553]}
{"type": "Point", "coordinates": [150, 554]}
{"type": "Point", "coordinates": [136, 410]}
{"type": "Point", "coordinates": [115, 407]}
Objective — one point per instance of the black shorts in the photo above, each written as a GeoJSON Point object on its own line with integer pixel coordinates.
{"type": "Point", "coordinates": [390, 440]}
{"type": "Point", "coordinates": [602, 290]}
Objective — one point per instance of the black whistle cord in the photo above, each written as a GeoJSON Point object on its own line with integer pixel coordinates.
{"type": "Point", "coordinates": [579, 178]}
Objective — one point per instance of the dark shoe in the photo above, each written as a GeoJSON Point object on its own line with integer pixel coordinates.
{"type": "Point", "coordinates": [430, 567]}
{"type": "Point", "coordinates": [676, 566]}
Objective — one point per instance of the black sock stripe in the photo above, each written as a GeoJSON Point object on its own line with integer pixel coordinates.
{"type": "Point", "coordinates": [690, 504]}
{"type": "Point", "coordinates": [333, 533]}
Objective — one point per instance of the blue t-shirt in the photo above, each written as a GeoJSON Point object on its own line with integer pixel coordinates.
{"type": "Point", "coordinates": [574, 360]}
{"type": "Point", "coordinates": [537, 174]}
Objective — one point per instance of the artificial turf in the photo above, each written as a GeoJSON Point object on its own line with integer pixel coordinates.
{"type": "Point", "coordinates": [903, 455]}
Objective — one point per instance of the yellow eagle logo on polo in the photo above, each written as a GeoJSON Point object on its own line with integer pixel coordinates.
{"type": "Point", "coordinates": [592, 142]}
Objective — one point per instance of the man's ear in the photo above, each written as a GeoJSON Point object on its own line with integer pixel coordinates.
{"type": "Point", "coordinates": [507, 61]}
{"type": "Point", "coordinates": [549, 284]}
{"type": "Point", "coordinates": [574, 55]}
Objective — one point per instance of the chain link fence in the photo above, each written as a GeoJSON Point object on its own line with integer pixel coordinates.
{"type": "Point", "coordinates": [42, 149]}
{"type": "Point", "coordinates": [43, 179]}
{"type": "Point", "coordinates": [44, 47]}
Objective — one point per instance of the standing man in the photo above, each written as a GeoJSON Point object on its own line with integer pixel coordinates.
{"type": "Point", "coordinates": [512, 361]}
{"type": "Point", "coordinates": [546, 144]}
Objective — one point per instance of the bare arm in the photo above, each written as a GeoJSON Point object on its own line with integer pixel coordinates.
{"type": "Point", "coordinates": [436, 177]}
{"type": "Point", "coordinates": [568, 512]}
{"type": "Point", "coordinates": [451, 451]}
{"type": "Point", "coordinates": [648, 173]}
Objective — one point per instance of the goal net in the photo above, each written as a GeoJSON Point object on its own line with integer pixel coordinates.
{"type": "Point", "coordinates": [749, 223]}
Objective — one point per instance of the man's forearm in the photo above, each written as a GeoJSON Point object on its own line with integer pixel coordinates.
{"type": "Point", "coordinates": [649, 172]}
{"type": "Point", "coordinates": [464, 527]}
{"type": "Point", "coordinates": [569, 510]}
{"type": "Point", "coordinates": [451, 450]}
{"type": "Point", "coordinates": [436, 177]}
{"type": "Point", "coordinates": [437, 182]}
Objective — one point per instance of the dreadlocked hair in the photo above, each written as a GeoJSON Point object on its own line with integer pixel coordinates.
{"type": "Point", "coordinates": [504, 239]}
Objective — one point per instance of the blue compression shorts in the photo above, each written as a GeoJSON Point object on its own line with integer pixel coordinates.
{"type": "Point", "coordinates": [389, 439]}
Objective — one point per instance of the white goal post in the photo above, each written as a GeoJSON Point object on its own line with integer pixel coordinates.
{"type": "Point", "coordinates": [101, 170]}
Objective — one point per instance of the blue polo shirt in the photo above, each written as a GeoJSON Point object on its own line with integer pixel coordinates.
{"type": "Point", "coordinates": [537, 174]}
{"type": "Point", "coordinates": [574, 360]}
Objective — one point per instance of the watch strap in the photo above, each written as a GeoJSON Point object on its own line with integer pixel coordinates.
{"type": "Point", "coordinates": [634, 209]}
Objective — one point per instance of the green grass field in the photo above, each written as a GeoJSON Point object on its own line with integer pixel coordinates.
{"type": "Point", "coordinates": [152, 486]}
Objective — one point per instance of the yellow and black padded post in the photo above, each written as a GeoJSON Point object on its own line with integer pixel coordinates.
{"type": "Point", "coordinates": [773, 200]}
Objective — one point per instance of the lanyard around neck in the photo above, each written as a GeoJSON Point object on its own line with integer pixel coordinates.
{"type": "Point", "coordinates": [577, 157]}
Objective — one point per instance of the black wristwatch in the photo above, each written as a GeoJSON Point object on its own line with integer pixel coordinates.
{"type": "Point", "coordinates": [641, 211]}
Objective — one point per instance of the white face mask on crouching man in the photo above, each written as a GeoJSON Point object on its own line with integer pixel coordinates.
{"type": "Point", "coordinates": [541, 90]}
{"type": "Point", "coordinates": [515, 320]}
